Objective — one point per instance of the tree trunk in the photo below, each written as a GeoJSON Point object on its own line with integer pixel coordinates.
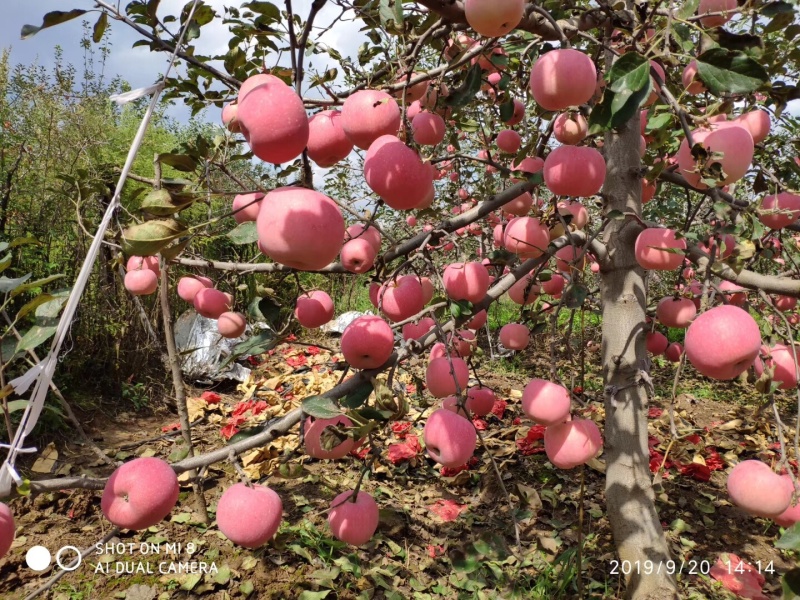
{"type": "Point", "coordinates": [629, 492]}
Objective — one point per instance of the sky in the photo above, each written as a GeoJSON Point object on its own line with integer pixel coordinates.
{"type": "Point", "coordinates": [139, 66]}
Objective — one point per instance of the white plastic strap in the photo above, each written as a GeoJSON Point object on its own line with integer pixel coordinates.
{"type": "Point", "coordinates": [42, 373]}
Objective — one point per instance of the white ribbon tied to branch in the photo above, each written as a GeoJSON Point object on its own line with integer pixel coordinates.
{"type": "Point", "coordinates": [42, 373]}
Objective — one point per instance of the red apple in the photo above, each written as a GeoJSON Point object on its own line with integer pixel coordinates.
{"type": "Point", "coordinates": [546, 402]}
{"type": "Point", "coordinates": [563, 78]}
{"type": "Point", "coordinates": [572, 443]}
{"type": "Point", "coordinates": [328, 143]}
{"type": "Point", "coordinates": [450, 439]}
{"type": "Point", "coordinates": [231, 324]}
{"type": "Point", "coordinates": [652, 249]}
{"type": "Point", "coordinates": [369, 114]}
{"type": "Point", "coordinates": [515, 336]}
{"type": "Point", "coordinates": [367, 343]}
{"type": "Point", "coordinates": [439, 377]}
{"type": "Point", "coordinates": [7, 529]}
{"type": "Point", "coordinates": [401, 298]}
{"type": "Point", "coordinates": [142, 282]}
{"type": "Point", "coordinates": [466, 281]}
{"type": "Point", "coordinates": [273, 120]}
{"type": "Point", "coordinates": [757, 489]}
{"type": "Point", "coordinates": [313, 309]}
{"type": "Point", "coordinates": [300, 228]}
{"type": "Point", "coordinates": [211, 303]}
{"type": "Point", "coordinates": [246, 206]}
{"type": "Point", "coordinates": [140, 493]}
{"type": "Point", "coordinates": [249, 516]}
{"type": "Point", "coordinates": [189, 286]}
{"type": "Point", "coordinates": [354, 522]}
{"type": "Point", "coordinates": [722, 342]}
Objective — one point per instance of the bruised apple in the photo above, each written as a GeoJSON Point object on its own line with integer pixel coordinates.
{"type": "Point", "coordinates": [450, 438]}
{"type": "Point", "coordinates": [140, 493]}
{"type": "Point", "coordinates": [353, 518]}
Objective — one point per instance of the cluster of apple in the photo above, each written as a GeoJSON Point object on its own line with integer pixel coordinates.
{"type": "Point", "coordinates": [141, 278]}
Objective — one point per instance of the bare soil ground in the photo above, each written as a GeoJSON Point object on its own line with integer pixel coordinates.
{"type": "Point", "coordinates": [443, 535]}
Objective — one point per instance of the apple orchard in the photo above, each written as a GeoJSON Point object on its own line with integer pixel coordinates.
{"type": "Point", "coordinates": [635, 160]}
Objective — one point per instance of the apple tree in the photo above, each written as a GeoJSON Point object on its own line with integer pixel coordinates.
{"type": "Point", "coordinates": [636, 159]}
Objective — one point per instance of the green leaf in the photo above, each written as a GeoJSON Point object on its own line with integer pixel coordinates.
{"type": "Point", "coordinates": [466, 92]}
{"type": "Point", "coordinates": [730, 72]}
{"type": "Point", "coordinates": [747, 43]}
{"type": "Point", "coordinates": [148, 238]}
{"type": "Point", "coordinates": [358, 396]}
{"type": "Point", "coordinates": [33, 305]}
{"type": "Point", "coordinates": [628, 88]}
{"type": "Point", "coordinates": [631, 73]}
{"type": "Point", "coordinates": [244, 233]}
{"type": "Point", "coordinates": [246, 588]}
{"type": "Point", "coordinates": [35, 336]}
{"type": "Point", "coordinates": [17, 405]}
{"type": "Point", "coordinates": [100, 27]}
{"type": "Point", "coordinates": [245, 434]}
{"type": "Point", "coordinates": [321, 407]}
{"type": "Point", "coordinates": [575, 295]}
{"type": "Point", "coordinates": [163, 204]}
{"type": "Point", "coordinates": [181, 162]}
{"type": "Point", "coordinates": [264, 8]}
{"type": "Point", "coordinates": [257, 344]}
{"type": "Point", "coordinates": [791, 584]}
{"type": "Point", "coordinates": [8, 285]}
{"type": "Point", "coordinates": [35, 284]}
{"type": "Point", "coordinates": [50, 19]}
{"type": "Point", "coordinates": [391, 14]}
{"type": "Point", "coordinates": [688, 9]}
{"type": "Point", "coordinates": [790, 540]}
{"type": "Point", "coordinates": [506, 110]}
{"type": "Point", "coordinates": [309, 595]}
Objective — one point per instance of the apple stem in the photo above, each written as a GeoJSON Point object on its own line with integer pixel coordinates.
{"type": "Point", "coordinates": [242, 475]}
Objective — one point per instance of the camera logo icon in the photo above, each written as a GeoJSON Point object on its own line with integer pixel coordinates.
{"type": "Point", "coordinates": [38, 558]}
